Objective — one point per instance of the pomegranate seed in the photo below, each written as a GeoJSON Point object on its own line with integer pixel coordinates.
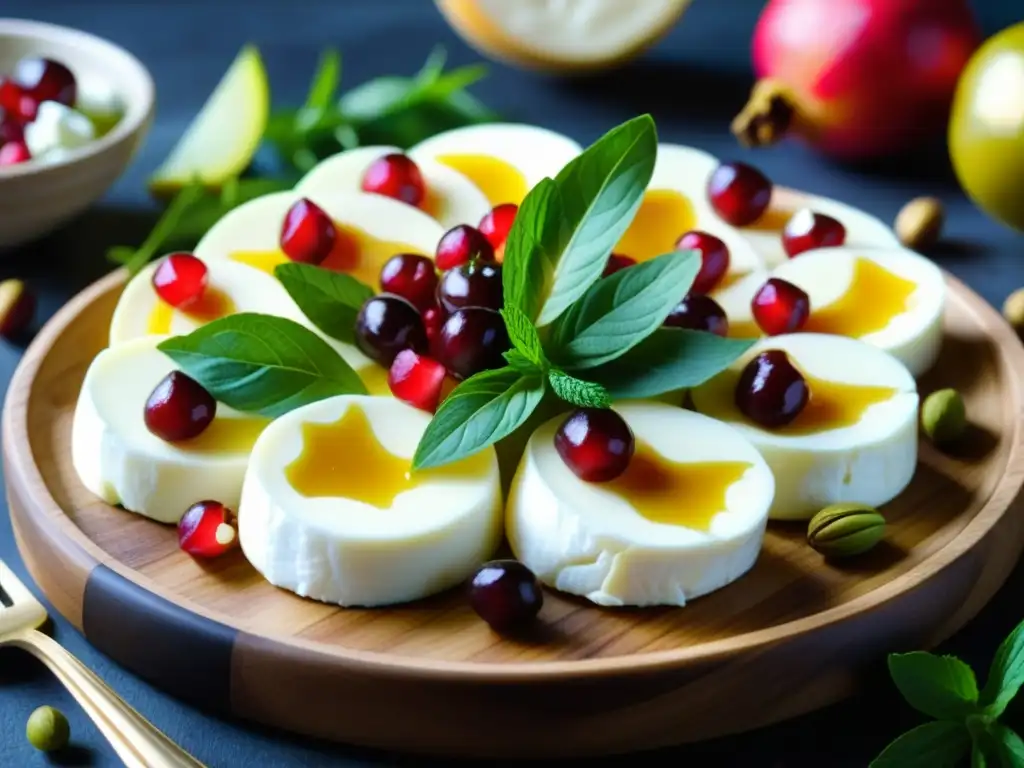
{"type": "Point", "coordinates": [739, 193]}
{"type": "Point", "coordinates": [207, 529]}
{"type": "Point", "coordinates": [505, 594]}
{"type": "Point", "coordinates": [387, 324]}
{"type": "Point", "coordinates": [180, 280]}
{"type": "Point", "coordinates": [472, 340]}
{"type": "Point", "coordinates": [780, 307]}
{"type": "Point", "coordinates": [179, 408]}
{"type": "Point", "coordinates": [698, 312]}
{"type": "Point", "coordinates": [496, 224]}
{"type": "Point", "coordinates": [460, 245]}
{"type": "Point", "coordinates": [806, 230]}
{"type": "Point", "coordinates": [16, 103]}
{"type": "Point", "coordinates": [11, 129]}
{"type": "Point", "coordinates": [416, 380]}
{"type": "Point", "coordinates": [307, 233]}
{"type": "Point", "coordinates": [410, 276]}
{"type": "Point", "coordinates": [714, 259]}
{"type": "Point", "coordinates": [595, 443]}
{"type": "Point", "coordinates": [770, 390]}
{"type": "Point", "coordinates": [616, 262]}
{"type": "Point", "coordinates": [14, 152]}
{"type": "Point", "coordinates": [433, 318]}
{"type": "Point", "coordinates": [397, 176]}
{"type": "Point", "coordinates": [45, 80]}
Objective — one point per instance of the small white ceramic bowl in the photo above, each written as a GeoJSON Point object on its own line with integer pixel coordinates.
{"type": "Point", "coordinates": [39, 196]}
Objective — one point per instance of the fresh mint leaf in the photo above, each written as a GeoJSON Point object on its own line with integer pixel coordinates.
{"type": "Point", "coordinates": [668, 359]}
{"type": "Point", "coordinates": [262, 364]}
{"type": "Point", "coordinates": [376, 98]}
{"type": "Point", "coordinates": [331, 300]}
{"type": "Point", "coordinates": [1006, 674]}
{"type": "Point", "coordinates": [523, 336]}
{"type": "Point", "coordinates": [517, 361]}
{"type": "Point", "coordinates": [433, 67]}
{"type": "Point", "coordinates": [529, 260]}
{"type": "Point", "coordinates": [978, 759]}
{"type": "Point", "coordinates": [326, 81]}
{"type": "Point", "coordinates": [600, 190]}
{"type": "Point", "coordinates": [1011, 746]}
{"type": "Point", "coordinates": [940, 686]}
{"type": "Point", "coordinates": [617, 313]}
{"type": "Point", "coordinates": [480, 411]}
{"type": "Point", "coordinates": [939, 744]}
{"type": "Point", "coordinates": [582, 394]}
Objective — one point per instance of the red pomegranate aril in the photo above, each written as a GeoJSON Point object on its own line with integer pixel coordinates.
{"type": "Point", "coordinates": [780, 307]}
{"type": "Point", "coordinates": [806, 230]}
{"type": "Point", "coordinates": [433, 318]}
{"type": "Point", "coordinates": [14, 152]}
{"type": "Point", "coordinates": [698, 312]}
{"type": "Point", "coordinates": [179, 408]}
{"type": "Point", "coordinates": [739, 193]}
{"type": "Point", "coordinates": [472, 340]}
{"type": "Point", "coordinates": [460, 245]}
{"type": "Point", "coordinates": [180, 279]}
{"type": "Point", "coordinates": [505, 594]}
{"type": "Point", "coordinates": [308, 234]}
{"type": "Point", "coordinates": [714, 259]}
{"type": "Point", "coordinates": [416, 379]}
{"type": "Point", "coordinates": [45, 80]}
{"type": "Point", "coordinates": [476, 284]}
{"type": "Point", "coordinates": [770, 390]}
{"type": "Point", "coordinates": [387, 324]}
{"type": "Point", "coordinates": [15, 102]}
{"type": "Point", "coordinates": [397, 176]}
{"type": "Point", "coordinates": [495, 224]}
{"type": "Point", "coordinates": [11, 129]}
{"type": "Point", "coordinates": [207, 529]}
{"type": "Point", "coordinates": [595, 443]}
{"type": "Point", "coordinates": [617, 262]}
{"type": "Point", "coordinates": [410, 276]}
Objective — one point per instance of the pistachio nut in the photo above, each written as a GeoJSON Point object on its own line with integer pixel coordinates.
{"type": "Point", "coordinates": [47, 729]}
{"type": "Point", "coordinates": [845, 530]}
{"type": "Point", "coordinates": [943, 416]}
{"type": "Point", "coordinates": [919, 223]}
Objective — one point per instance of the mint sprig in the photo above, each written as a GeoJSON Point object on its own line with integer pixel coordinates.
{"type": "Point", "coordinates": [330, 300]}
{"type": "Point", "coordinates": [965, 721]}
{"type": "Point", "coordinates": [262, 364]}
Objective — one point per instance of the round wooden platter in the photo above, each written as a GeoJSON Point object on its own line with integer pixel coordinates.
{"type": "Point", "coordinates": [792, 635]}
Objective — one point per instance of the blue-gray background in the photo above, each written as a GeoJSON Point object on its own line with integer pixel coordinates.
{"type": "Point", "coordinates": [692, 83]}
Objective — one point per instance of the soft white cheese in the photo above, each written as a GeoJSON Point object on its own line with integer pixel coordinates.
{"type": "Point", "coordinates": [57, 127]}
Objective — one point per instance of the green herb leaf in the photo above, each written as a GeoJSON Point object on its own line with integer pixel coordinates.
{"type": "Point", "coordinates": [601, 191]}
{"type": "Point", "coordinates": [331, 300]}
{"type": "Point", "coordinates": [940, 686]}
{"type": "Point", "coordinates": [1006, 674]}
{"type": "Point", "coordinates": [326, 80]}
{"type": "Point", "coordinates": [668, 359]}
{"type": "Point", "coordinates": [523, 336]}
{"type": "Point", "coordinates": [480, 411]}
{"type": "Point", "coordinates": [582, 394]}
{"type": "Point", "coordinates": [517, 361]}
{"type": "Point", "coordinates": [376, 98]}
{"type": "Point", "coordinates": [617, 313]}
{"type": "Point", "coordinates": [1011, 746]}
{"type": "Point", "coordinates": [262, 364]}
{"type": "Point", "coordinates": [529, 260]}
{"type": "Point", "coordinates": [978, 759]}
{"type": "Point", "coordinates": [939, 744]}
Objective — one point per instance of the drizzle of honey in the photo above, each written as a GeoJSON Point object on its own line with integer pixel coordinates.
{"type": "Point", "coordinates": [356, 252]}
{"type": "Point", "coordinates": [344, 459]}
{"type": "Point", "coordinates": [772, 220]}
{"type": "Point", "coordinates": [500, 182]}
{"type": "Point", "coordinates": [213, 304]}
{"type": "Point", "coordinates": [744, 329]}
{"type": "Point", "coordinates": [663, 216]}
{"type": "Point", "coordinates": [831, 405]}
{"type": "Point", "coordinates": [227, 435]}
{"type": "Point", "coordinates": [375, 378]}
{"type": "Point", "coordinates": [675, 493]}
{"type": "Point", "coordinates": [874, 298]}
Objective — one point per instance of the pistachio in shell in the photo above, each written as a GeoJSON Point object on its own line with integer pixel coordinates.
{"type": "Point", "coordinates": [943, 416]}
{"type": "Point", "coordinates": [845, 530]}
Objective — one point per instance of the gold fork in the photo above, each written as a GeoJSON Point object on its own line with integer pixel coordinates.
{"type": "Point", "coordinates": [135, 740]}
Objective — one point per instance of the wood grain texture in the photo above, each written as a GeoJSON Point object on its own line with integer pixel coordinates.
{"type": "Point", "coordinates": [793, 635]}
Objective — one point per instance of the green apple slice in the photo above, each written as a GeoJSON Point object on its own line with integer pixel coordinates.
{"type": "Point", "coordinates": [221, 140]}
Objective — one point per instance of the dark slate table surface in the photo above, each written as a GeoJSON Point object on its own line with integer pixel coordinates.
{"type": "Point", "coordinates": [692, 83]}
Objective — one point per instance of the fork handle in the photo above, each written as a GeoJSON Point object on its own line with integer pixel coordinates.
{"type": "Point", "coordinates": [136, 741]}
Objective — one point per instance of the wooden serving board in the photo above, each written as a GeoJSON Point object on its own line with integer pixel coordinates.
{"type": "Point", "coordinates": [792, 635]}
